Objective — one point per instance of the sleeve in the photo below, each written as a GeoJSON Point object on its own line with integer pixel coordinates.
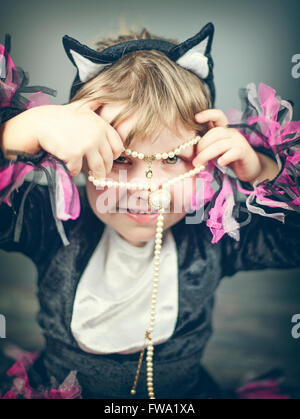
{"type": "Point", "coordinates": [38, 228]}
{"type": "Point", "coordinates": [264, 243]}
{"type": "Point", "coordinates": [63, 194]}
{"type": "Point", "coordinates": [229, 205]}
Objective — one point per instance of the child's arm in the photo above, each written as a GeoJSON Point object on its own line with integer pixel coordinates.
{"type": "Point", "coordinates": [50, 140]}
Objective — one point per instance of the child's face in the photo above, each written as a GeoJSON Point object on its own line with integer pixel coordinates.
{"type": "Point", "coordinates": [108, 209]}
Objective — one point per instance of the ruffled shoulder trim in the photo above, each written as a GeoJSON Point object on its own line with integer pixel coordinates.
{"type": "Point", "coordinates": [266, 122]}
{"type": "Point", "coordinates": [63, 193]}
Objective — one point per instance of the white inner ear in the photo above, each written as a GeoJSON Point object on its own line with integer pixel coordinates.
{"type": "Point", "coordinates": [87, 69]}
{"type": "Point", "coordinates": [195, 60]}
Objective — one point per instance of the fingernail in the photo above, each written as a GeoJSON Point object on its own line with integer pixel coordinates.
{"type": "Point", "coordinates": [196, 162]}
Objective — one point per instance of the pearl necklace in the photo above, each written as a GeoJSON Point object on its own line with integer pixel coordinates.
{"type": "Point", "coordinates": [159, 199]}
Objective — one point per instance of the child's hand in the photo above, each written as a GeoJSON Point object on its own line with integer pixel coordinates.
{"type": "Point", "coordinates": [69, 132]}
{"type": "Point", "coordinates": [78, 131]}
{"type": "Point", "coordinates": [232, 148]}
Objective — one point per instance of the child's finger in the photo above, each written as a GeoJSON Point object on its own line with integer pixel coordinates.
{"type": "Point", "coordinates": [96, 164]}
{"type": "Point", "coordinates": [93, 105]}
{"type": "Point", "coordinates": [216, 116]}
{"type": "Point", "coordinates": [216, 134]}
{"type": "Point", "coordinates": [115, 141]}
{"type": "Point", "coordinates": [74, 166]}
{"type": "Point", "coordinates": [107, 155]}
{"type": "Point", "coordinates": [230, 156]}
{"type": "Point", "coordinates": [212, 151]}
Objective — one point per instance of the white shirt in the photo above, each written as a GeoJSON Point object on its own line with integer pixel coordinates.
{"type": "Point", "coordinates": [111, 310]}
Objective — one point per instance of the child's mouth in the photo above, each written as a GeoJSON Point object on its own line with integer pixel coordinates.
{"type": "Point", "coordinates": [142, 212]}
{"type": "Point", "coordinates": [141, 217]}
{"type": "Point", "coordinates": [136, 211]}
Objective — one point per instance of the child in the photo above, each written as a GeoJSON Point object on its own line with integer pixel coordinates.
{"type": "Point", "coordinates": [94, 266]}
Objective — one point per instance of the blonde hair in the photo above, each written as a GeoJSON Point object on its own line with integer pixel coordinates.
{"type": "Point", "coordinates": [157, 91]}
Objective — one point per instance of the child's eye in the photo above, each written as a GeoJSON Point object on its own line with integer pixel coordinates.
{"type": "Point", "coordinates": [173, 160]}
{"type": "Point", "coordinates": [120, 162]}
{"type": "Point", "coordinates": [169, 160]}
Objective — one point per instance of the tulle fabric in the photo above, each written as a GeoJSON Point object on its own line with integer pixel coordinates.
{"type": "Point", "coordinates": [21, 388]}
{"type": "Point", "coordinates": [64, 196]}
{"type": "Point", "coordinates": [270, 385]}
{"type": "Point", "coordinates": [266, 122]}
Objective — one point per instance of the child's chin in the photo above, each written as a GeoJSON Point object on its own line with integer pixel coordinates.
{"type": "Point", "coordinates": [142, 235]}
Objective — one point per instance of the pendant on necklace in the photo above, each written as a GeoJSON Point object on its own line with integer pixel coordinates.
{"type": "Point", "coordinates": [149, 160]}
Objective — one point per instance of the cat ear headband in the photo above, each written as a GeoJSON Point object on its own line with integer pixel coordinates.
{"type": "Point", "coordinates": [192, 54]}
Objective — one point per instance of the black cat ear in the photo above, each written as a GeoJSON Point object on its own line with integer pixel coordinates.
{"type": "Point", "coordinates": [194, 53]}
{"type": "Point", "coordinates": [85, 59]}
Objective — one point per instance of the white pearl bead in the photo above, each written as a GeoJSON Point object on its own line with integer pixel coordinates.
{"type": "Point", "coordinates": [177, 150]}
{"type": "Point", "coordinates": [141, 156]}
{"type": "Point", "coordinates": [128, 152]}
{"type": "Point", "coordinates": [171, 154]}
{"type": "Point", "coordinates": [158, 156]}
{"type": "Point", "coordinates": [165, 156]}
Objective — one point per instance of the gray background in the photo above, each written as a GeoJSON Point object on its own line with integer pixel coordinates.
{"type": "Point", "coordinates": [254, 42]}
